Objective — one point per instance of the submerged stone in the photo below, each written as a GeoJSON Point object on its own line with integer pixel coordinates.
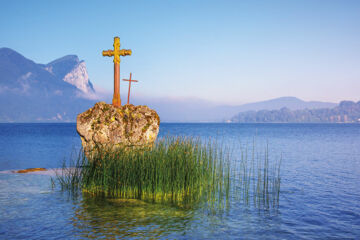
{"type": "Point", "coordinates": [107, 126]}
{"type": "Point", "coordinates": [30, 170]}
{"type": "Point", "coordinates": [127, 202]}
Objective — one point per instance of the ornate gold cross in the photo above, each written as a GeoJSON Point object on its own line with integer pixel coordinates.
{"type": "Point", "coordinates": [117, 52]}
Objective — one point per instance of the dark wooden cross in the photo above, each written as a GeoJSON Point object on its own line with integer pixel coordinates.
{"type": "Point", "coordinates": [129, 80]}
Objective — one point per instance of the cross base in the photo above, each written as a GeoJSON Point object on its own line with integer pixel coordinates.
{"type": "Point", "coordinates": [116, 102]}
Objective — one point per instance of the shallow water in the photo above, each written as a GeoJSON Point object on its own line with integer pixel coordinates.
{"type": "Point", "coordinates": [320, 196]}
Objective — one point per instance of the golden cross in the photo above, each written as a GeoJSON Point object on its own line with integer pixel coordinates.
{"type": "Point", "coordinates": [117, 52]}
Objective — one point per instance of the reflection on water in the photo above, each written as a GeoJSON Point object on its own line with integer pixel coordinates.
{"type": "Point", "coordinates": [31, 209]}
{"type": "Point", "coordinates": [95, 217]}
{"type": "Point", "coordinates": [117, 218]}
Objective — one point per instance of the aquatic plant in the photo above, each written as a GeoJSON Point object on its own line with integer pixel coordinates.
{"type": "Point", "coordinates": [181, 171]}
{"type": "Point", "coordinates": [257, 180]}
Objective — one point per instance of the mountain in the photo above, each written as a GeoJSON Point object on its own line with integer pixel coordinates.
{"type": "Point", "coordinates": [72, 71]}
{"type": "Point", "coordinates": [59, 90]}
{"type": "Point", "coordinates": [345, 112]}
{"type": "Point", "coordinates": [31, 92]}
{"type": "Point", "coordinates": [292, 103]}
{"type": "Point", "coordinates": [198, 110]}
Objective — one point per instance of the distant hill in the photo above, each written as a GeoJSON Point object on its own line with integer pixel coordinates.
{"type": "Point", "coordinates": [292, 103]}
{"type": "Point", "coordinates": [345, 112]}
{"type": "Point", "coordinates": [198, 110]}
{"type": "Point", "coordinates": [31, 92]}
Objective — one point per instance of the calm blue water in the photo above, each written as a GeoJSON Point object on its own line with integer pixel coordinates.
{"type": "Point", "coordinates": [320, 191]}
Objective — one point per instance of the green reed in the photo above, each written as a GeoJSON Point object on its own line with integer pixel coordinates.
{"type": "Point", "coordinates": [181, 171]}
{"type": "Point", "coordinates": [177, 170]}
{"type": "Point", "coordinates": [257, 179]}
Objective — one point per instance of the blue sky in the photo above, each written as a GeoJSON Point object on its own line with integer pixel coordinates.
{"type": "Point", "coordinates": [223, 51]}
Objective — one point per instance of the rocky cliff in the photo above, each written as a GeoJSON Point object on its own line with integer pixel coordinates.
{"type": "Point", "coordinates": [32, 92]}
{"type": "Point", "coordinates": [71, 70]}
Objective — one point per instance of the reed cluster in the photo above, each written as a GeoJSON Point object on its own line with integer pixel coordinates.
{"type": "Point", "coordinates": [180, 171]}
{"type": "Point", "coordinates": [176, 170]}
{"type": "Point", "coordinates": [257, 180]}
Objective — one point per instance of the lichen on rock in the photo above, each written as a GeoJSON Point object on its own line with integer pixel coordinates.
{"type": "Point", "coordinates": [107, 126]}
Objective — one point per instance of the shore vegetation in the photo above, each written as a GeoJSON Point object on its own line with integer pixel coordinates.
{"type": "Point", "coordinates": [180, 171]}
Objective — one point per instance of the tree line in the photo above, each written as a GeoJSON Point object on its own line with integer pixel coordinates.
{"type": "Point", "coordinates": [345, 112]}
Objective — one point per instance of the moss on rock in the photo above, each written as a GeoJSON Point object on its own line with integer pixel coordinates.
{"type": "Point", "coordinates": [106, 125]}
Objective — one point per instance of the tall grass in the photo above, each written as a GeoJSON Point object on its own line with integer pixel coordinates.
{"type": "Point", "coordinates": [257, 180]}
{"type": "Point", "coordinates": [180, 171]}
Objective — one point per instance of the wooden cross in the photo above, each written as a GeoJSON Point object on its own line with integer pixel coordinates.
{"type": "Point", "coordinates": [129, 80]}
{"type": "Point", "coordinates": [117, 52]}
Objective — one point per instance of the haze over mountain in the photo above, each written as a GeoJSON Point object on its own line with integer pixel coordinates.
{"type": "Point", "coordinates": [198, 110]}
{"type": "Point", "coordinates": [61, 89]}
{"type": "Point", "coordinates": [31, 92]}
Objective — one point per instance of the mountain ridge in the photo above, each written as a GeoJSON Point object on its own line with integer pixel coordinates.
{"type": "Point", "coordinates": [345, 112]}
{"type": "Point", "coordinates": [29, 92]}
{"type": "Point", "coordinates": [61, 89]}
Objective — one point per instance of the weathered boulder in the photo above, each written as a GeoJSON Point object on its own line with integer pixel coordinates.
{"type": "Point", "coordinates": [107, 126]}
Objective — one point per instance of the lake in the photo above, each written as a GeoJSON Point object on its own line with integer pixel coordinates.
{"type": "Point", "coordinates": [319, 198]}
